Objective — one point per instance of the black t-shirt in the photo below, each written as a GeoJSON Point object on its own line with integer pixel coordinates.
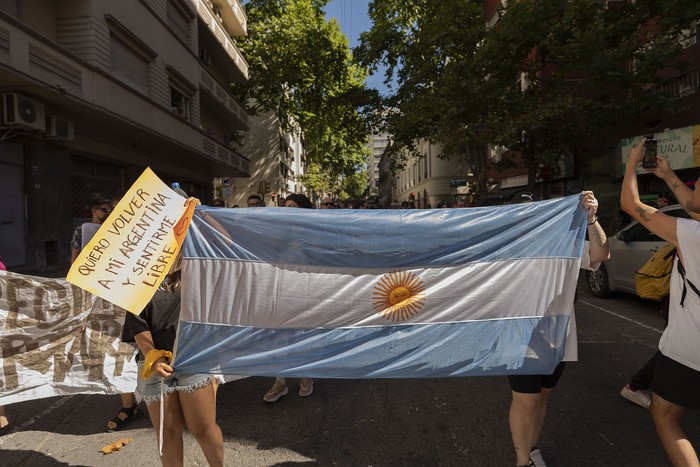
{"type": "Point", "coordinates": [160, 317]}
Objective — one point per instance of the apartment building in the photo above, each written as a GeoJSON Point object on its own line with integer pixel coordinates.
{"type": "Point", "coordinates": [598, 164]}
{"type": "Point", "coordinates": [428, 179]}
{"type": "Point", "coordinates": [376, 145]}
{"type": "Point", "coordinates": [95, 91]}
{"type": "Point", "coordinates": [277, 161]}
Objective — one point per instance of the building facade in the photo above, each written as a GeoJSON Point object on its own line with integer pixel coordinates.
{"type": "Point", "coordinates": [95, 91]}
{"type": "Point", "coordinates": [277, 161]}
{"type": "Point", "coordinates": [377, 145]}
{"type": "Point", "coordinates": [598, 164]}
{"type": "Point", "coordinates": [428, 179]}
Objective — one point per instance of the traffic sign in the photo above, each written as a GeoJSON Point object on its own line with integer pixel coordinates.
{"type": "Point", "coordinates": [226, 182]}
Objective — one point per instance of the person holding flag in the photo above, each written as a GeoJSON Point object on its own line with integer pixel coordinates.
{"type": "Point", "coordinates": [189, 399]}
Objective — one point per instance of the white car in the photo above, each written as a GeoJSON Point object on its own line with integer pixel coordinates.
{"type": "Point", "coordinates": [630, 248]}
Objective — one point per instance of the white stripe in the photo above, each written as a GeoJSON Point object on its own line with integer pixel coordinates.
{"type": "Point", "coordinates": [645, 326]}
{"type": "Point", "coordinates": [269, 296]}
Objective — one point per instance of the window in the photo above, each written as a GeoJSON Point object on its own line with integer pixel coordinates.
{"type": "Point", "coordinates": [130, 57]}
{"type": "Point", "coordinates": [128, 65]}
{"type": "Point", "coordinates": [179, 19]}
{"type": "Point", "coordinates": [179, 103]}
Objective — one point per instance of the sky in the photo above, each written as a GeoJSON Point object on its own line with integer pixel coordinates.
{"type": "Point", "coordinates": [352, 17]}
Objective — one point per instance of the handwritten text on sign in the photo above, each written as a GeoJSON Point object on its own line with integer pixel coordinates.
{"type": "Point", "coordinates": [130, 254]}
{"type": "Point", "coordinates": [55, 339]}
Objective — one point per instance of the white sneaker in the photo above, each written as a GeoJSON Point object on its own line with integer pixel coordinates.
{"type": "Point", "coordinates": [640, 397]}
{"type": "Point", "coordinates": [306, 387]}
{"type": "Point", "coordinates": [536, 458]}
{"type": "Point", "coordinates": [277, 390]}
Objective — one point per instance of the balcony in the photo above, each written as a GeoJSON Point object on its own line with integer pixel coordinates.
{"type": "Point", "coordinates": [221, 36]}
{"type": "Point", "coordinates": [221, 96]}
{"type": "Point", "coordinates": [675, 88]}
{"type": "Point", "coordinates": [232, 16]}
{"type": "Point", "coordinates": [226, 156]}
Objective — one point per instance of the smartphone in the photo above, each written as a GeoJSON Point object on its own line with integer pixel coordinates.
{"type": "Point", "coordinates": [650, 151]}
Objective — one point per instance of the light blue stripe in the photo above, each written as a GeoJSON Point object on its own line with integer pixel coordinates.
{"type": "Point", "coordinates": [390, 238]}
{"type": "Point", "coordinates": [481, 348]}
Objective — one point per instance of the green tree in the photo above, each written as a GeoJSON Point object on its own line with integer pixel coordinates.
{"type": "Point", "coordinates": [580, 64]}
{"type": "Point", "coordinates": [317, 181]}
{"type": "Point", "coordinates": [301, 68]}
{"type": "Point", "coordinates": [429, 49]}
{"type": "Point", "coordinates": [353, 186]}
{"type": "Point", "coordinates": [542, 81]}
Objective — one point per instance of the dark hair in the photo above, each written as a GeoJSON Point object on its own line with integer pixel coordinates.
{"type": "Point", "coordinates": [443, 204]}
{"type": "Point", "coordinates": [258, 197]}
{"type": "Point", "coordinates": [301, 200]}
{"type": "Point", "coordinates": [96, 201]}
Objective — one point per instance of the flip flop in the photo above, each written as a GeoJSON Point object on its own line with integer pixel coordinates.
{"type": "Point", "coordinates": [132, 413]}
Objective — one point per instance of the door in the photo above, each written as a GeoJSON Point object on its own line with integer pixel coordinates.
{"type": "Point", "coordinates": [13, 247]}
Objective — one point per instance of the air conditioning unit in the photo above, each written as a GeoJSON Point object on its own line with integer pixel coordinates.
{"type": "Point", "coordinates": [22, 111]}
{"type": "Point", "coordinates": [60, 129]}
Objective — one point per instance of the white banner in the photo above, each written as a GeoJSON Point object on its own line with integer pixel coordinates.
{"type": "Point", "coordinates": [56, 339]}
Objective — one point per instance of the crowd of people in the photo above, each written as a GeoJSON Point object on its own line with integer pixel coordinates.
{"type": "Point", "coordinates": [668, 384]}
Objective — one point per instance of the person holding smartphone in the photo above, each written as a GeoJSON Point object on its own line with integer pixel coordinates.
{"type": "Point", "coordinates": [676, 383]}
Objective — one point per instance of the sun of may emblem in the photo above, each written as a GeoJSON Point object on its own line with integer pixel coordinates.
{"type": "Point", "coordinates": [397, 296]}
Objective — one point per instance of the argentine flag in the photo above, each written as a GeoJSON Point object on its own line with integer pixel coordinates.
{"type": "Point", "coordinates": [379, 293]}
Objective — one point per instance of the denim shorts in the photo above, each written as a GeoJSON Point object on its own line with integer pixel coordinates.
{"type": "Point", "coordinates": [148, 390]}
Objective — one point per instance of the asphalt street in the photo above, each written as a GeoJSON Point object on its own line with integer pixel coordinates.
{"type": "Point", "coordinates": [451, 422]}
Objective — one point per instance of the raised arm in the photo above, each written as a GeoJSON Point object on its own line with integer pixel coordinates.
{"type": "Point", "coordinates": [599, 247]}
{"type": "Point", "coordinates": [689, 199]}
{"type": "Point", "coordinates": [661, 224]}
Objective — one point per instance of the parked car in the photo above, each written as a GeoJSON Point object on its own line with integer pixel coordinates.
{"type": "Point", "coordinates": [630, 248]}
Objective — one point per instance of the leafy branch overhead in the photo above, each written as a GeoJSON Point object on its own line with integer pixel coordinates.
{"type": "Point", "coordinates": [539, 83]}
{"type": "Point", "coordinates": [301, 68]}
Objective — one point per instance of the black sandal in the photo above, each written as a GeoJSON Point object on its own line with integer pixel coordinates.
{"type": "Point", "coordinates": [132, 413]}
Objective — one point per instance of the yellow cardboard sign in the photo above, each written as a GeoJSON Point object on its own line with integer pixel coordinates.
{"type": "Point", "coordinates": [131, 253]}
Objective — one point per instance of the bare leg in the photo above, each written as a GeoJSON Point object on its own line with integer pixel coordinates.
{"type": "Point", "coordinates": [524, 419]}
{"type": "Point", "coordinates": [173, 424]}
{"type": "Point", "coordinates": [541, 413]}
{"type": "Point", "coordinates": [199, 408]}
{"type": "Point", "coordinates": [128, 400]}
{"type": "Point", "coordinates": [667, 418]}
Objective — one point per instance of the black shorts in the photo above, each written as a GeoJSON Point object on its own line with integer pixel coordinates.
{"type": "Point", "coordinates": [677, 383]}
{"type": "Point", "coordinates": [533, 384]}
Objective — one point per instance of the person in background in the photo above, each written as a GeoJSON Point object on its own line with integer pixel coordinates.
{"type": "Point", "coordinates": [676, 383]}
{"type": "Point", "coordinates": [531, 392]}
{"type": "Point", "coordinates": [255, 201]}
{"type": "Point", "coordinates": [280, 201]}
{"type": "Point", "coordinates": [638, 390]}
{"type": "Point", "coordinates": [326, 203]}
{"type": "Point", "coordinates": [218, 203]}
{"type": "Point", "coordinates": [443, 204]}
{"type": "Point", "coordinates": [129, 411]}
{"type": "Point", "coordinates": [306, 385]}
{"type": "Point", "coordinates": [461, 203]}
{"type": "Point", "coordinates": [100, 208]}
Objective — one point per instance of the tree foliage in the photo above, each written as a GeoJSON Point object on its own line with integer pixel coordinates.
{"type": "Point", "coordinates": [353, 186]}
{"type": "Point", "coordinates": [301, 68]}
{"type": "Point", "coordinates": [548, 75]}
